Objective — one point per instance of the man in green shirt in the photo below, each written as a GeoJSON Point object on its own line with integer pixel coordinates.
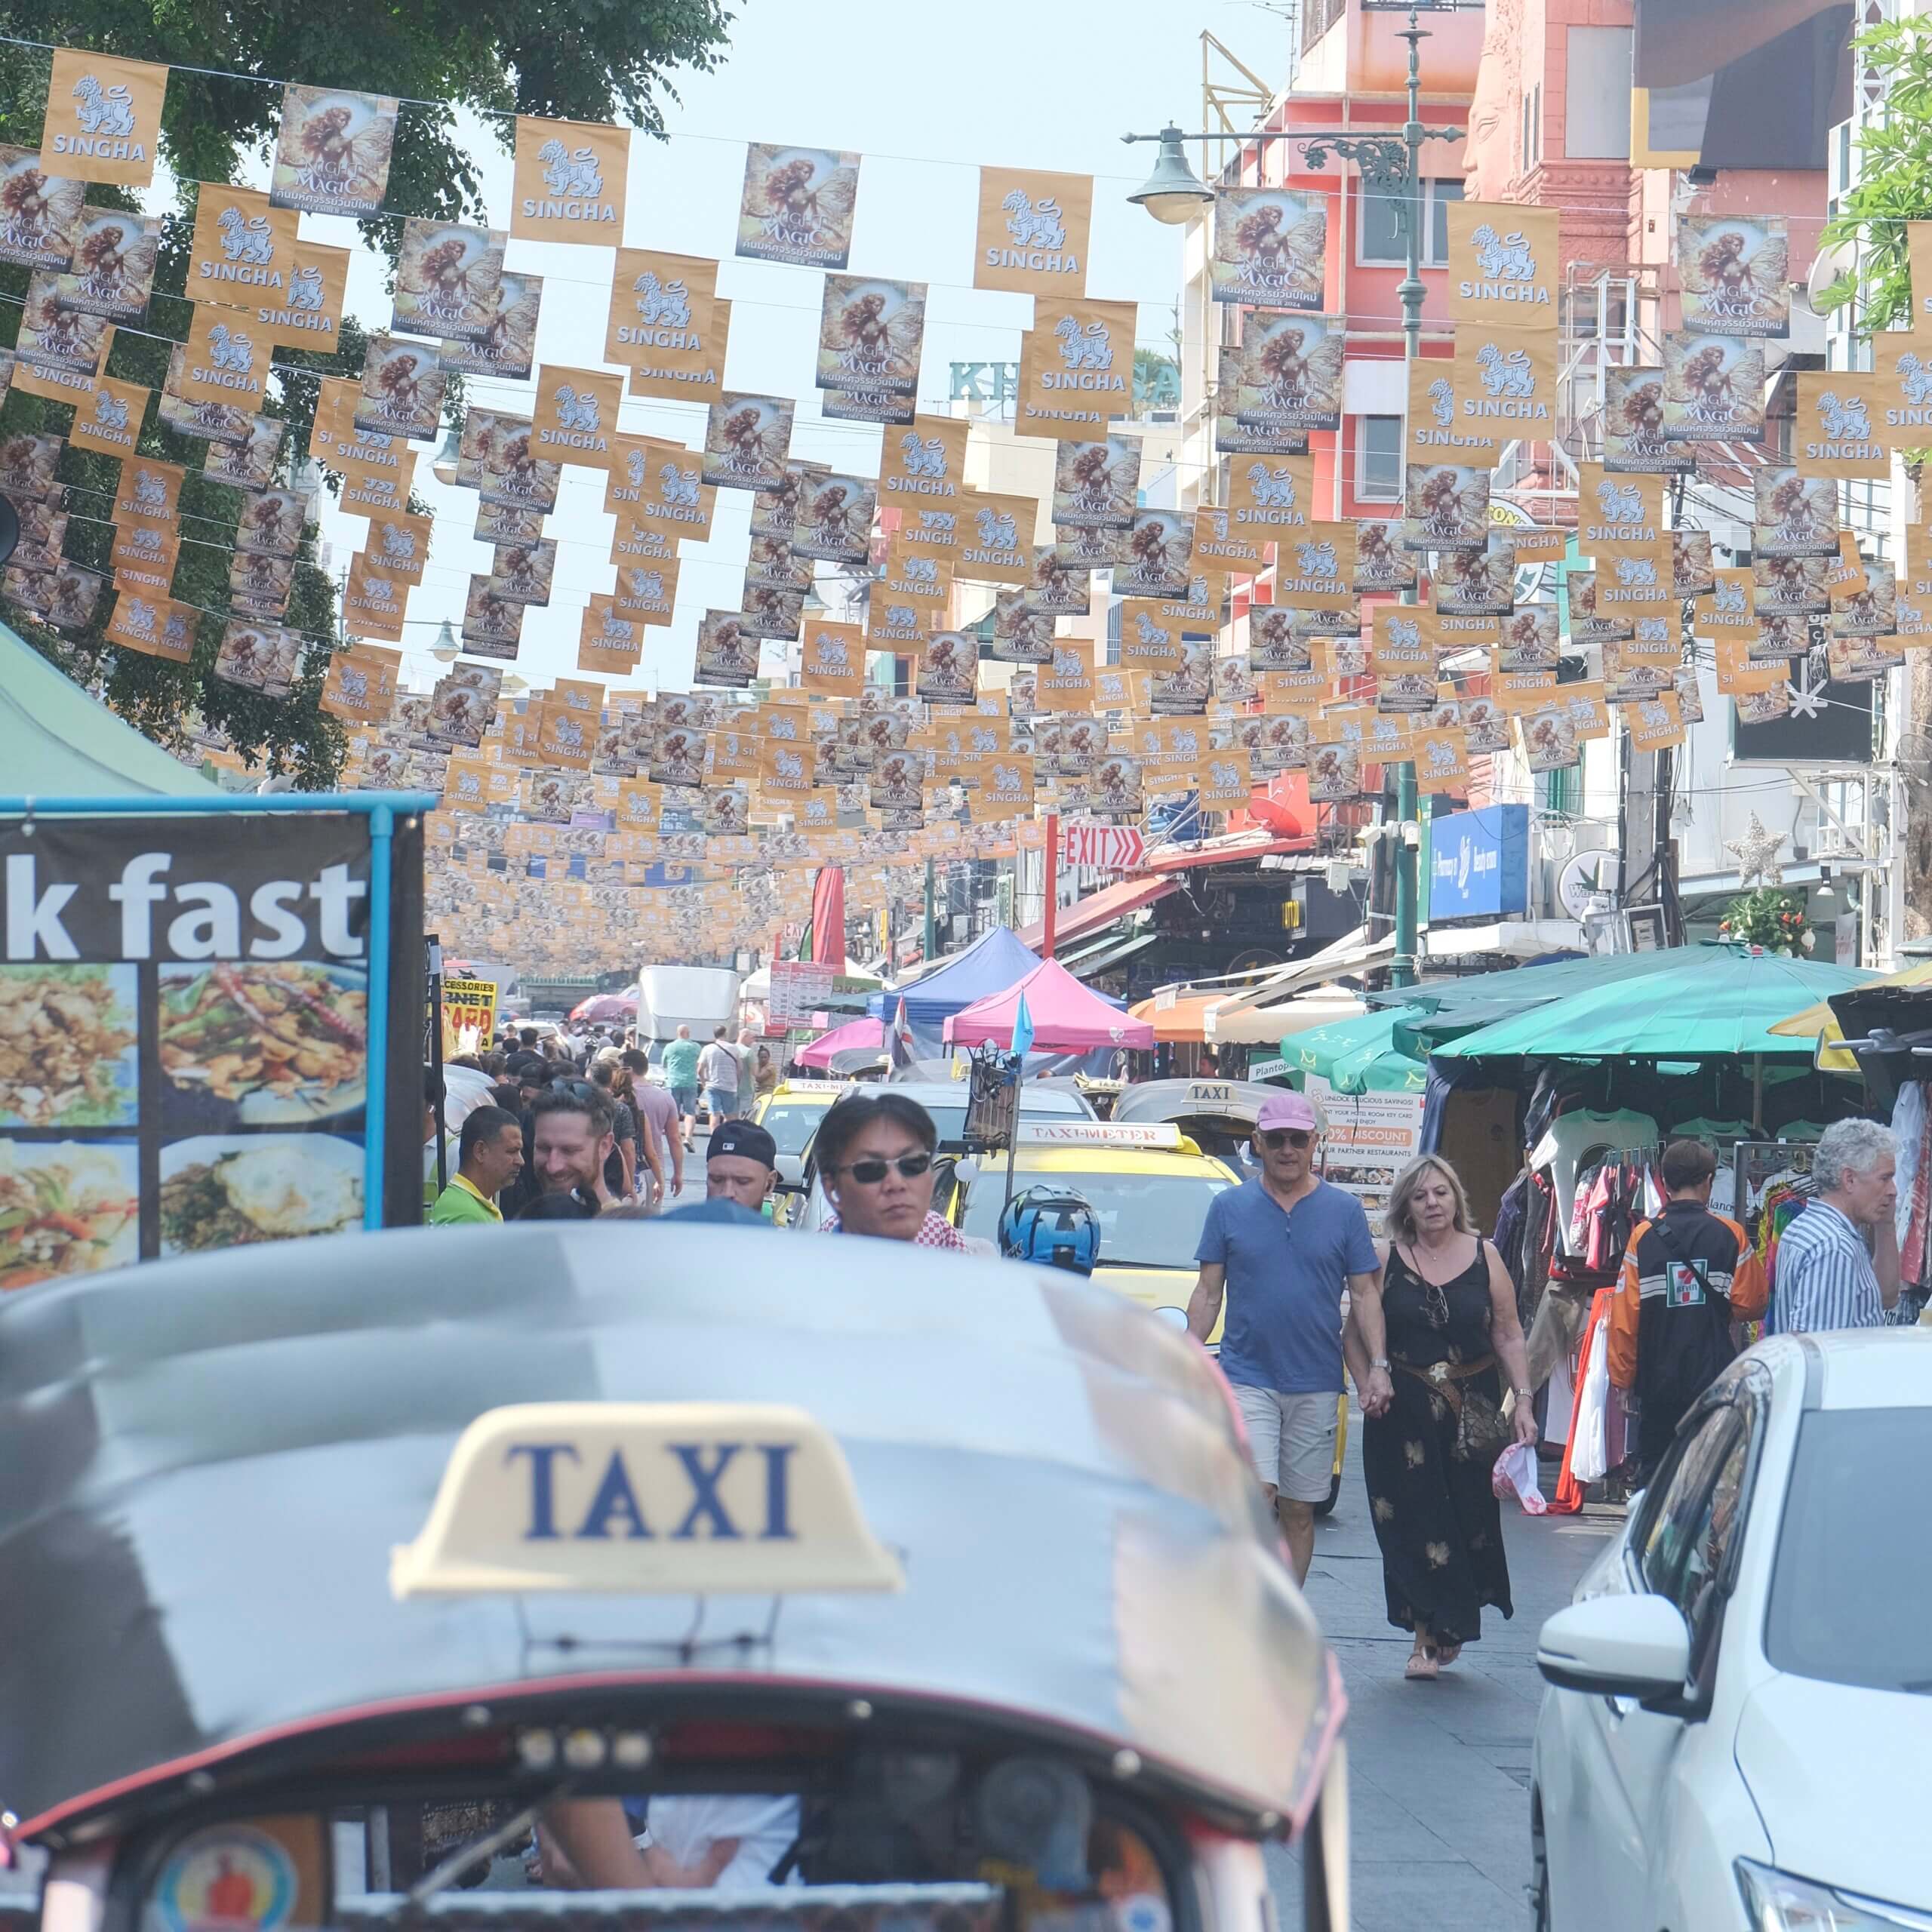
{"type": "Point", "coordinates": [681, 1076]}
{"type": "Point", "coordinates": [490, 1156]}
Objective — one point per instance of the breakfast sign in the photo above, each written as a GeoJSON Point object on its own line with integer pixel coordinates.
{"type": "Point", "coordinates": [188, 1059]}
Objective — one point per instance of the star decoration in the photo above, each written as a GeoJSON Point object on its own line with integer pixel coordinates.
{"type": "Point", "coordinates": [1758, 853]}
{"type": "Point", "coordinates": [1807, 702]}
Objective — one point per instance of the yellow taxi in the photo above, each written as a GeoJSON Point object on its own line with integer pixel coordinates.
{"type": "Point", "coordinates": [790, 1113]}
{"type": "Point", "coordinates": [1149, 1184]}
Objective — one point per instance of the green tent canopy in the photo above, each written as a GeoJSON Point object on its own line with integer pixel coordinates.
{"type": "Point", "coordinates": [56, 742]}
{"type": "Point", "coordinates": [1696, 1002]}
{"type": "Point", "coordinates": [1357, 1056]}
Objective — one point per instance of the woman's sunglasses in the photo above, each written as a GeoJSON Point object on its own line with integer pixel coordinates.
{"type": "Point", "coordinates": [869, 1173]}
{"type": "Point", "coordinates": [1278, 1137]}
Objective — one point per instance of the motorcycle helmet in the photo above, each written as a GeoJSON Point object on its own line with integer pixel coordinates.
{"type": "Point", "coordinates": [1052, 1225]}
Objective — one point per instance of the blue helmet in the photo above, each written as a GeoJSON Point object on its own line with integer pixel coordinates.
{"type": "Point", "coordinates": [1052, 1225]}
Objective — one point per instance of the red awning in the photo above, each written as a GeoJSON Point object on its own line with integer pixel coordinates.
{"type": "Point", "coordinates": [1099, 908]}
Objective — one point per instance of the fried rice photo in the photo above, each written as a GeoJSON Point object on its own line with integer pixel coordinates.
{"type": "Point", "coordinates": [65, 1031]}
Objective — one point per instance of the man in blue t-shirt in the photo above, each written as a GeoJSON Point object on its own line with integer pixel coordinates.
{"type": "Point", "coordinates": [1281, 1245]}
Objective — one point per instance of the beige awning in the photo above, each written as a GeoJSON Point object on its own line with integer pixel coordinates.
{"type": "Point", "coordinates": [1266, 1025]}
{"type": "Point", "coordinates": [1355, 953]}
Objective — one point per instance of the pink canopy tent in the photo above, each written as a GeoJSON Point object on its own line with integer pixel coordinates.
{"type": "Point", "coordinates": [842, 1039]}
{"type": "Point", "coordinates": [1067, 1016]}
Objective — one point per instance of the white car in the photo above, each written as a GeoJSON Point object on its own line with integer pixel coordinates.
{"type": "Point", "coordinates": [1742, 1727]}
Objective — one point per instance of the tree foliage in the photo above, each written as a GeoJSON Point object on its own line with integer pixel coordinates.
{"type": "Point", "coordinates": [1895, 184]}
{"type": "Point", "coordinates": [581, 60]}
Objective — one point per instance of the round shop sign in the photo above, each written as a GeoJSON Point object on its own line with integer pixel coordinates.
{"type": "Point", "coordinates": [228, 1878]}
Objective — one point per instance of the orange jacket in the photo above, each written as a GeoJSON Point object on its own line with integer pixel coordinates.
{"type": "Point", "coordinates": [1732, 1269]}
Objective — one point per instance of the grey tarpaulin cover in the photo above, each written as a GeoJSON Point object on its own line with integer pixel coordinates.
{"type": "Point", "coordinates": [209, 1460]}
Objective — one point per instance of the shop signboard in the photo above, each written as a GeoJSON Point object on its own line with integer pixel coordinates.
{"type": "Point", "coordinates": [227, 995]}
{"type": "Point", "coordinates": [799, 987]}
{"type": "Point", "coordinates": [469, 1016]}
{"type": "Point", "coordinates": [1479, 863]}
{"type": "Point", "coordinates": [1367, 1140]}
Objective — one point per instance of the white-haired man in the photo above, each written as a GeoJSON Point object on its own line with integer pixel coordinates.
{"type": "Point", "coordinates": [1826, 1276]}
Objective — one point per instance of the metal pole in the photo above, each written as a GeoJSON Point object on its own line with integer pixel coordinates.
{"type": "Point", "coordinates": [932, 926]}
{"type": "Point", "coordinates": [1050, 860]}
{"type": "Point", "coordinates": [1402, 970]}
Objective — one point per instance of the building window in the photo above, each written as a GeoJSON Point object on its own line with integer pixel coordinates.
{"type": "Point", "coordinates": [1379, 459]}
{"type": "Point", "coordinates": [1380, 237]}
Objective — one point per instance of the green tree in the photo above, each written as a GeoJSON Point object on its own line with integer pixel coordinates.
{"type": "Point", "coordinates": [581, 60]}
{"type": "Point", "coordinates": [1895, 184]}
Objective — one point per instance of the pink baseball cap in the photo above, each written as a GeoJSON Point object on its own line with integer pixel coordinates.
{"type": "Point", "coordinates": [1287, 1110]}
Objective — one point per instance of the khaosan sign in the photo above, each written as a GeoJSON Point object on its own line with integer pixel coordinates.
{"type": "Point", "coordinates": [1479, 863]}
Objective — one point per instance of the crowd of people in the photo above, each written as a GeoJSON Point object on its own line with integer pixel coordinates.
{"type": "Point", "coordinates": [1425, 1319]}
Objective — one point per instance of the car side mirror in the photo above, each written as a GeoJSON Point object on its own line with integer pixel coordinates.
{"type": "Point", "coordinates": [1617, 1647]}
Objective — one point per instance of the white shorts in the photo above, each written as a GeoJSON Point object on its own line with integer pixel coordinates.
{"type": "Point", "coordinates": [1293, 1440]}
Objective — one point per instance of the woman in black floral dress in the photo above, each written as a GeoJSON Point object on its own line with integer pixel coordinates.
{"type": "Point", "coordinates": [1450, 1311]}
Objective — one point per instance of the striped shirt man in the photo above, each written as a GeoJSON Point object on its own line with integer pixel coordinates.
{"type": "Point", "coordinates": [1824, 1276]}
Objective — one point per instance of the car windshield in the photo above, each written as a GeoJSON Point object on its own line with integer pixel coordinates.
{"type": "Point", "coordinates": [1145, 1221]}
{"type": "Point", "coordinates": [791, 1125]}
{"type": "Point", "coordinates": [1847, 1565]}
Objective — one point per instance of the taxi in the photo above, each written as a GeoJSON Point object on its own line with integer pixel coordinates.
{"type": "Point", "coordinates": [1149, 1185]}
{"type": "Point", "coordinates": [790, 1113]}
{"type": "Point", "coordinates": [733, 1606]}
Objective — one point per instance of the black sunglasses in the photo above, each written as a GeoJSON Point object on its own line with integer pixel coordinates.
{"type": "Point", "coordinates": [869, 1173]}
{"type": "Point", "coordinates": [1275, 1139]}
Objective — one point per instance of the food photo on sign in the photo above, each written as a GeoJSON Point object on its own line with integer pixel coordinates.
{"type": "Point", "coordinates": [184, 1035]}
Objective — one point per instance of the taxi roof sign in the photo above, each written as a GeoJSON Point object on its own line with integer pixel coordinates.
{"type": "Point", "coordinates": [1099, 1134]}
{"type": "Point", "coordinates": [642, 1498]}
{"type": "Point", "coordinates": [789, 1087]}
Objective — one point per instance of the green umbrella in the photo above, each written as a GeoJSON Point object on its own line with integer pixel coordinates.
{"type": "Point", "coordinates": [1357, 1056]}
{"type": "Point", "coordinates": [1700, 1001]}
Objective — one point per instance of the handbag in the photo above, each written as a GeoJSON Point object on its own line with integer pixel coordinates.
{"type": "Point", "coordinates": [1482, 1432]}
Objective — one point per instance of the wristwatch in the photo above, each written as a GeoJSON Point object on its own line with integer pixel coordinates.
{"type": "Point", "coordinates": [1378, 1362]}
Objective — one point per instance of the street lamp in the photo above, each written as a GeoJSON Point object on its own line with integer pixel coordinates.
{"type": "Point", "coordinates": [1391, 162]}
{"type": "Point", "coordinates": [1173, 193]}
{"type": "Point", "coordinates": [442, 465]}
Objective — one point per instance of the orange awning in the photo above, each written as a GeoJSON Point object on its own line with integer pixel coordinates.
{"type": "Point", "coordinates": [1183, 1021]}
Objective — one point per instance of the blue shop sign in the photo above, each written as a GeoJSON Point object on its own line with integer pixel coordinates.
{"type": "Point", "coordinates": [1479, 863]}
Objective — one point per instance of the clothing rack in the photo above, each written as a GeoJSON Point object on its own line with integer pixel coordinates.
{"type": "Point", "coordinates": [1755, 1162]}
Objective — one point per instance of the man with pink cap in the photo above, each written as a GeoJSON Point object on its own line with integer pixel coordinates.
{"type": "Point", "coordinates": [1281, 1247]}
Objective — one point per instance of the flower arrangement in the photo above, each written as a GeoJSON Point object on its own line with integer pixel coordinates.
{"type": "Point", "coordinates": [1769, 918]}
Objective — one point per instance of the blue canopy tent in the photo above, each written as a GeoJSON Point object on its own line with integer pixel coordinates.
{"type": "Point", "coordinates": [990, 964]}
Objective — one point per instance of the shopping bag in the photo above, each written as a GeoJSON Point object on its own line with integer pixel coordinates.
{"type": "Point", "coordinates": [1516, 1475]}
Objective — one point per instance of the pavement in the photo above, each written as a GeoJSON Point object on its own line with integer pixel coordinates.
{"type": "Point", "coordinates": [1438, 1773]}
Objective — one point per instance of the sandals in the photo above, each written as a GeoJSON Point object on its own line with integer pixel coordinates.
{"type": "Point", "coordinates": [1421, 1667]}
{"type": "Point", "coordinates": [1448, 1653]}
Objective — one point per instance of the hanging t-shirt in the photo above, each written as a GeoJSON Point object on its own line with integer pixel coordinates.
{"type": "Point", "coordinates": [1718, 1133]}
{"type": "Point", "coordinates": [1581, 1140]}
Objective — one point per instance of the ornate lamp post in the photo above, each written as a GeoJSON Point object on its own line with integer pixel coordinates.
{"type": "Point", "coordinates": [1391, 163]}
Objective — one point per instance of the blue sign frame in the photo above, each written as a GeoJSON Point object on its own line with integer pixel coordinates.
{"type": "Point", "coordinates": [381, 809]}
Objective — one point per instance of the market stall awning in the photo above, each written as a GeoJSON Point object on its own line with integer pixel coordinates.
{"type": "Point", "coordinates": [1819, 1023]}
{"type": "Point", "coordinates": [1182, 1020]}
{"type": "Point", "coordinates": [1354, 953]}
{"type": "Point", "coordinates": [1098, 909]}
{"type": "Point", "coordinates": [56, 742]}
{"type": "Point", "coordinates": [1106, 952]}
{"type": "Point", "coordinates": [1701, 1002]}
{"type": "Point", "coordinates": [863, 1035]}
{"type": "Point", "coordinates": [993, 961]}
{"type": "Point", "coordinates": [1358, 1056]}
{"type": "Point", "coordinates": [1243, 1025]}
{"type": "Point", "coordinates": [1067, 1018]}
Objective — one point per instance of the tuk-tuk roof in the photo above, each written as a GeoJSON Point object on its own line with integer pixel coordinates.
{"type": "Point", "coordinates": [1194, 1100]}
{"type": "Point", "coordinates": [211, 1460]}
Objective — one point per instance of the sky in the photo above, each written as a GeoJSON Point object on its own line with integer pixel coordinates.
{"type": "Point", "coordinates": [926, 94]}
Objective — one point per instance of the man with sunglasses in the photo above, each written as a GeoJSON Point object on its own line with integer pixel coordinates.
{"type": "Point", "coordinates": [1281, 1247]}
{"type": "Point", "coordinates": [874, 1157]}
